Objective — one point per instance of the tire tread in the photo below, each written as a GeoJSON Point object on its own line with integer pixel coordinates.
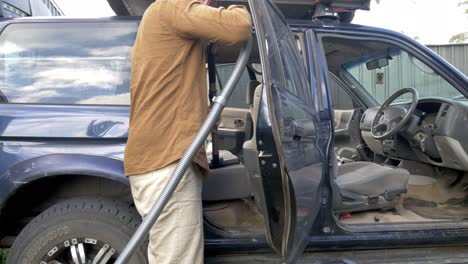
{"type": "Point", "coordinates": [123, 213]}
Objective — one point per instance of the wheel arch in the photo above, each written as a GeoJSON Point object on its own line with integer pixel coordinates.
{"type": "Point", "coordinates": [41, 182]}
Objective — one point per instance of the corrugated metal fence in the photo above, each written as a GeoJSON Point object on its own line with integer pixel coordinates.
{"type": "Point", "coordinates": [455, 54]}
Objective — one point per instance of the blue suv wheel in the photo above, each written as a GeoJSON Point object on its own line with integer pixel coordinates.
{"type": "Point", "coordinates": [79, 231]}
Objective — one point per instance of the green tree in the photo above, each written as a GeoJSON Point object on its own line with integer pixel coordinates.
{"type": "Point", "coordinates": [464, 3]}
{"type": "Point", "coordinates": [461, 37]}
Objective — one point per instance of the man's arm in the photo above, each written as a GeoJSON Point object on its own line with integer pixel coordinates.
{"type": "Point", "coordinates": [193, 20]}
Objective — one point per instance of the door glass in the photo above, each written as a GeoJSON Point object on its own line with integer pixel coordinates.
{"type": "Point", "coordinates": [341, 100]}
{"type": "Point", "coordinates": [289, 64]}
{"type": "Point", "coordinates": [238, 97]}
{"type": "Point", "coordinates": [403, 70]}
{"type": "Point", "coordinates": [67, 63]}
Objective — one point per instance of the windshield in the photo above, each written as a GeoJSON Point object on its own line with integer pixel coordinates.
{"type": "Point", "coordinates": [391, 69]}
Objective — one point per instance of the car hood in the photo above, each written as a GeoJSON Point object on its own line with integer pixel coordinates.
{"type": "Point", "coordinates": [294, 9]}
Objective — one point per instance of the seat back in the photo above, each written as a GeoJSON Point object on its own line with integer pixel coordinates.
{"type": "Point", "coordinates": [336, 193]}
{"type": "Point", "coordinates": [227, 183]}
{"type": "Point", "coordinates": [250, 96]}
{"type": "Point", "coordinates": [252, 144]}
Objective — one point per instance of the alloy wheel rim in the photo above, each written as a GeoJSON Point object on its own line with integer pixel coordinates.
{"type": "Point", "coordinates": [81, 251]}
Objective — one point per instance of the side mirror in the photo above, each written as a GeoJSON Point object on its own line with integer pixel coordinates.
{"type": "Point", "coordinates": [378, 63]}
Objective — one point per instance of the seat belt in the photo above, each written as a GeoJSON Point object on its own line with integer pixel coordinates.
{"type": "Point", "coordinates": [212, 93]}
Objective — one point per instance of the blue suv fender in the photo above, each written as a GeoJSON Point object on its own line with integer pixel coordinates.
{"type": "Point", "coordinates": [37, 168]}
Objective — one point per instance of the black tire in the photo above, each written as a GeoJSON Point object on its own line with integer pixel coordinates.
{"type": "Point", "coordinates": [92, 222]}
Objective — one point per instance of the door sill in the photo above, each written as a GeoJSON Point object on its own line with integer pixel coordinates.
{"type": "Point", "coordinates": [411, 226]}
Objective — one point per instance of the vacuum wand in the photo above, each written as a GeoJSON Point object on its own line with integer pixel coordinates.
{"type": "Point", "coordinates": [218, 106]}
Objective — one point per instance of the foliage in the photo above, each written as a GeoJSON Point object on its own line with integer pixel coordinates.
{"type": "Point", "coordinates": [461, 37]}
{"type": "Point", "coordinates": [464, 3]}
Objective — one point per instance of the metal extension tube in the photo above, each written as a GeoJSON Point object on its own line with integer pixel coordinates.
{"type": "Point", "coordinates": [189, 154]}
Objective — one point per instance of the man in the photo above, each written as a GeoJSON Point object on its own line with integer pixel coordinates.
{"type": "Point", "coordinates": [168, 104]}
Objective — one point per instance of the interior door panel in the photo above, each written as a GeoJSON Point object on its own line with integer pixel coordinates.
{"type": "Point", "coordinates": [234, 129]}
{"type": "Point", "coordinates": [347, 133]}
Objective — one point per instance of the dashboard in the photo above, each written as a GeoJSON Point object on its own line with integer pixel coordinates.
{"type": "Point", "coordinates": [435, 134]}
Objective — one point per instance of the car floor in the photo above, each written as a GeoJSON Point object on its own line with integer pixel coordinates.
{"type": "Point", "coordinates": [428, 199]}
{"type": "Point", "coordinates": [240, 213]}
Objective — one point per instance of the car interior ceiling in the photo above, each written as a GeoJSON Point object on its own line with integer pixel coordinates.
{"type": "Point", "coordinates": [347, 50]}
{"type": "Point", "coordinates": [391, 191]}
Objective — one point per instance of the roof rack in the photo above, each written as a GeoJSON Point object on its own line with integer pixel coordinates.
{"type": "Point", "coordinates": [325, 12]}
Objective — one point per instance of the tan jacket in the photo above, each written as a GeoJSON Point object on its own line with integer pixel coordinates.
{"type": "Point", "coordinates": [168, 80]}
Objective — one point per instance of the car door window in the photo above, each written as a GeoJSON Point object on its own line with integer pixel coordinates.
{"type": "Point", "coordinates": [403, 70]}
{"type": "Point", "coordinates": [341, 99]}
{"type": "Point", "coordinates": [290, 64]}
{"type": "Point", "coordinates": [238, 96]}
{"type": "Point", "coordinates": [66, 63]}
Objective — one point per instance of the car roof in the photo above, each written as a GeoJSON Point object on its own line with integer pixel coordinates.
{"type": "Point", "coordinates": [290, 8]}
{"type": "Point", "coordinates": [39, 19]}
{"type": "Point", "coordinates": [296, 24]}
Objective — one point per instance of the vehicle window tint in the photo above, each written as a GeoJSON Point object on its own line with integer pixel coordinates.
{"type": "Point", "coordinates": [238, 98]}
{"type": "Point", "coordinates": [287, 67]}
{"type": "Point", "coordinates": [67, 63]}
{"type": "Point", "coordinates": [341, 100]}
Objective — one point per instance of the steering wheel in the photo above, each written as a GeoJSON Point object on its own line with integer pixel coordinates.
{"type": "Point", "coordinates": [390, 119]}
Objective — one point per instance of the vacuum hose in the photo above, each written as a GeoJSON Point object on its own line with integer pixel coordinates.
{"type": "Point", "coordinates": [218, 106]}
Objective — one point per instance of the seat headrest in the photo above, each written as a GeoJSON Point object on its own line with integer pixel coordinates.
{"type": "Point", "coordinates": [252, 85]}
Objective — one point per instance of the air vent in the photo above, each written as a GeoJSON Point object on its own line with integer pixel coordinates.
{"type": "Point", "coordinates": [445, 109]}
{"type": "Point", "coordinates": [363, 118]}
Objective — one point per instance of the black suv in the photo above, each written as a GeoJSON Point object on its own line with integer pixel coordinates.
{"type": "Point", "coordinates": [338, 136]}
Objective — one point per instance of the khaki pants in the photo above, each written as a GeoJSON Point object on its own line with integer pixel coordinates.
{"type": "Point", "coordinates": [177, 236]}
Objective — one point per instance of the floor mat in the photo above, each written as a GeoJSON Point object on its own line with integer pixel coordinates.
{"type": "Point", "coordinates": [454, 209]}
{"type": "Point", "coordinates": [236, 213]}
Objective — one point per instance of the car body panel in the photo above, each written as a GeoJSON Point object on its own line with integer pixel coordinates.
{"type": "Point", "coordinates": [40, 141]}
{"type": "Point", "coordinates": [291, 163]}
{"type": "Point", "coordinates": [63, 121]}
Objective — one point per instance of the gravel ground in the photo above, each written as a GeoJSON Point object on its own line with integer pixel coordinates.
{"type": "Point", "coordinates": [438, 255]}
{"type": "Point", "coordinates": [445, 255]}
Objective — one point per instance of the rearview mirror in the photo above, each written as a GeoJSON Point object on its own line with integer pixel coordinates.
{"type": "Point", "coordinates": [378, 63]}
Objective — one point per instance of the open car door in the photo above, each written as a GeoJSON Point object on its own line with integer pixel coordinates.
{"type": "Point", "coordinates": [290, 157]}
